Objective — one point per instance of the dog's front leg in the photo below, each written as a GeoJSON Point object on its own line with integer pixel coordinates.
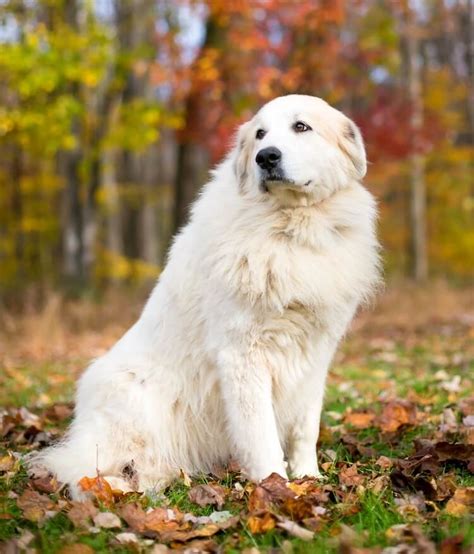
{"type": "Point", "coordinates": [307, 404]}
{"type": "Point", "coordinates": [247, 394]}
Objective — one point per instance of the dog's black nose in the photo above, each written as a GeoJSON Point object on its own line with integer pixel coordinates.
{"type": "Point", "coordinates": [268, 158]}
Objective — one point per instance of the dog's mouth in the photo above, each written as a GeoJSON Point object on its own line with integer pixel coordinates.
{"type": "Point", "coordinates": [277, 179]}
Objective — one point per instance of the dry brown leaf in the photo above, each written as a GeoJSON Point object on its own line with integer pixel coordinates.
{"type": "Point", "coordinates": [107, 520]}
{"type": "Point", "coordinates": [384, 462]}
{"type": "Point", "coordinates": [261, 523]}
{"type": "Point", "coordinates": [99, 488]}
{"type": "Point", "coordinates": [466, 405]}
{"type": "Point", "coordinates": [378, 484]}
{"type": "Point", "coordinates": [452, 545]}
{"type": "Point", "coordinates": [208, 495]}
{"type": "Point", "coordinates": [184, 536]}
{"type": "Point", "coordinates": [298, 508]}
{"type": "Point", "coordinates": [195, 546]}
{"type": "Point", "coordinates": [59, 412]}
{"type": "Point", "coordinates": [462, 503]}
{"type": "Point", "coordinates": [350, 476]}
{"type": "Point", "coordinates": [395, 414]}
{"type": "Point", "coordinates": [159, 520]}
{"type": "Point", "coordinates": [7, 463]}
{"type": "Point", "coordinates": [277, 487]}
{"type": "Point", "coordinates": [360, 420]}
{"type": "Point", "coordinates": [186, 479]}
{"type": "Point", "coordinates": [127, 538]}
{"type": "Point", "coordinates": [314, 523]}
{"type": "Point", "coordinates": [411, 534]}
{"type": "Point", "coordinates": [300, 488]}
{"type": "Point", "coordinates": [134, 515]}
{"type": "Point", "coordinates": [81, 513]}
{"type": "Point", "coordinates": [47, 484]}
{"type": "Point", "coordinates": [182, 533]}
{"type": "Point", "coordinates": [34, 505]}
{"type": "Point", "coordinates": [259, 500]}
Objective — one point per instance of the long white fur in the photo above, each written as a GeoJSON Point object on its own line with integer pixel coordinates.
{"type": "Point", "coordinates": [231, 352]}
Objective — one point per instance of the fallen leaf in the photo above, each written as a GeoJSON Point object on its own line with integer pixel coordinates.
{"type": "Point", "coordinates": [395, 414]}
{"type": "Point", "coordinates": [107, 520]}
{"type": "Point", "coordinates": [99, 488]}
{"type": "Point", "coordinates": [158, 520]}
{"type": "Point", "coordinates": [34, 505]}
{"type": "Point", "coordinates": [81, 513]}
{"type": "Point", "coordinates": [384, 462]}
{"type": "Point", "coordinates": [300, 488]}
{"type": "Point", "coordinates": [25, 539]}
{"type": "Point", "coordinates": [259, 499]}
{"type": "Point", "coordinates": [411, 534]}
{"type": "Point", "coordinates": [134, 515]}
{"type": "Point", "coordinates": [159, 549]}
{"type": "Point", "coordinates": [462, 503]}
{"type": "Point", "coordinates": [208, 495]}
{"type": "Point", "coordinates": [410, 506]}
{"type": "Point", "coordinates": [277, 487]}
{"type": "Point", "coordinates": [378, 484]}
{"type": "Point", "coordinates": [359, 420]}
{"type": "Point", "coordinates": [398, 532]}
{"type": "Point", "coordinates": [452, 545]}
{"type": "Point", "coordinates": [7, 462]}
{"type": "Point", "coordinates": [59, 412]}
{"type": "Point", "coordinates": [261, 523]}
{"type": "Point", "coordinates": [466, 405]}
{"type": "Point", "coordinates": [47, 484]}
{"type": "Point", "coordinates": [184, 536]}
{"type": "Point", "coordinates": [350, 476]}
{"type": "Point", "coordinates": [220, 517]}
{"type": "Point", "coordinates": [126, 538]}
{"type": "Point", "coordinates": [468, 421]}
{"type": "Point", "coordinates": [186, 479]}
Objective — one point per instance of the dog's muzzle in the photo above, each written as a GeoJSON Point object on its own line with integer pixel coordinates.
{"type": "Point", "coordinates": [269, 161]}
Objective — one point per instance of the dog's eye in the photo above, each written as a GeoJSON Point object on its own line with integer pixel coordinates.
{"type": "Point", "coordinates": [300, 127]}
{"type": "Point", "coordinates": [260, 134]}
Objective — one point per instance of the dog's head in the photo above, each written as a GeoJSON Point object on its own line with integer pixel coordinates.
{"type": "Point", "coordinates": [298, 143]}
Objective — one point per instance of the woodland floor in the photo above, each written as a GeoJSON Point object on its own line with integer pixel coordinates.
{"type": "Point", "coordinates": [396, 445]}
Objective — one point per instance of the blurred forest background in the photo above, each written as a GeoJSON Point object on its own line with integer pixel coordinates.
{"type": "Point", "coordinates": [113, 111]}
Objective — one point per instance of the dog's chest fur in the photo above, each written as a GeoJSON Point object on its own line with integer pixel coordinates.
{"type": "Point", "coordinates": [308, 262]}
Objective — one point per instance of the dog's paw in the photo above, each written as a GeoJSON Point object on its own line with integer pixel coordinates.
{"type": "Point", "coordinates": [307, 474]}
{"type": "Point", "coordinates": [305, 468]}
{"type": "Point", "coordinates": [261, 473]}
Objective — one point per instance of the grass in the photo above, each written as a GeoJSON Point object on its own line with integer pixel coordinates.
{"type": "Point", "coordinates": [417, 368]}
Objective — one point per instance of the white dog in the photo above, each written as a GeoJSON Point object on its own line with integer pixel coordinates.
{"type": "Point", "coordinates": [231, 352]}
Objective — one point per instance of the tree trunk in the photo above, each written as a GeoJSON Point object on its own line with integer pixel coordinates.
{"type": "Point", "coordinates": [192, 166]}
{"type": "Point", "coordinates": [69, 164]}
{"type": "Point", "coordinates": [416, 162]}
{"type": "Point", "coordinates": [193, 158]}
{"type": "Point", "coordinates": [73, 247]}
{"type": "Point", "coordinates": [138, 171]}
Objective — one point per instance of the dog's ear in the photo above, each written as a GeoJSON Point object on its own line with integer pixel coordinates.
{"type": "Point", "coordinates": [242, 151]}
{"type": "Point", "coordinates": [352, 144]}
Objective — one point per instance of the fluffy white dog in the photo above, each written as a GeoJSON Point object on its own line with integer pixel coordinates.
{"type": "Point", "coordinates": [231, 352]}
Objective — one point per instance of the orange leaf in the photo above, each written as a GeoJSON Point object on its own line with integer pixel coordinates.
{"type": "Point", "coordinates": [350, 477]}
{"type": "Point", "coordinates": [397, 413]}
{"type": "Point", "coordinates": [461, 503]}
{"type": "Point", "coordinates": [261, 524]}
{"type": "Point", "coordinates": [99, 488]}
{"type": "Point", "coordinates": [360, 420]}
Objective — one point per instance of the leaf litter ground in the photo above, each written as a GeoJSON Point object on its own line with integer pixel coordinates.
{"type": "Point", "coordinates": [396, 450]}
